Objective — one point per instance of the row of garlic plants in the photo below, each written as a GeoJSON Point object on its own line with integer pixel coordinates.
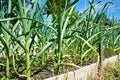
{"type": "Point", "coordinates": [32, 37]}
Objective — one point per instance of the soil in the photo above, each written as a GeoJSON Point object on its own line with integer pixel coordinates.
{"type": "Point", "coordinates": [39, 73]}
{"type": "Point", "coordinates": [47, 74]}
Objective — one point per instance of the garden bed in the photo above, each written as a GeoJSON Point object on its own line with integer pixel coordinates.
{"type": "Point", "coordinates": [41, 39]}
{"type": "Point", "coordinates": [85, 72]}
